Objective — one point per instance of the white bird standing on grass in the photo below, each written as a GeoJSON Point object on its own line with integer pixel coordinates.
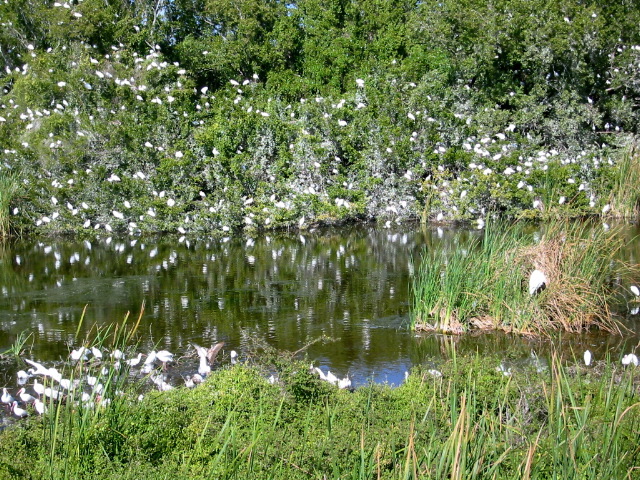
{"type": "Point", "coordinates": [6, 397]}
{"type": "Point", "coordinates": [40, 407]}
{"type": "Point", "coordinates": [629, 359]}
{"type": "Point", "coordinates": [538, 281]}
{"type": "Point", "coordinates": [24, 396]}
{"type": "Point", "coordinates": [19, 412]}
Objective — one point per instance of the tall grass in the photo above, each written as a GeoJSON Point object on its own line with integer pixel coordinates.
{"type": "Point", "coordinates": [471, 423]}
{"type": "Point", "coordinates": [9, 187]}
{"type": "Point", "coordinates": [485, 285]}
{"type": "Point", "coordinates": [72, 422]}
{"type": "Point", "coordinates": [625, 194]}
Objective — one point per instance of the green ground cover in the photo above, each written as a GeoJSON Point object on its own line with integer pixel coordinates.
{"type": "Point", "coordinates": [472, 421]}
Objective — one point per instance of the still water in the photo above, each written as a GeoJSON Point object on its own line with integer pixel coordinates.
{"type": "Point", "coordinates": [349, 284]}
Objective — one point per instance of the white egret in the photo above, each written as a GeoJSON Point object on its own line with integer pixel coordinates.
{"type": "Point", "coordinates": [234, 357]}
{"type": "Point", "coordinates": [635, 290]}
{"type": "Point", "coordinates": [538, 281]}
{"type": "Point", "coordinates": [587, 358]}
{"type": "Point", "coordinates": [320, 373]}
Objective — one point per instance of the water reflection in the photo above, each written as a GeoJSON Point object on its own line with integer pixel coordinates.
{"type": "Point", "coordinates": [350, 284]}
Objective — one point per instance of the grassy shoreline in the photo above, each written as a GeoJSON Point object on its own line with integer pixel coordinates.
{"type": "Point", "coordinates": [473, 421]}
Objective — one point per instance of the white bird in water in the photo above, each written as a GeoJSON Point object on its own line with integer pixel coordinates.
{"type": "Point", "coordinates": [234, 357]}
{"type": "Point", "coordinates": [80, 353]}
{"type": "Point", "coordinates": [538, 281]}
{"type": "Point", "coordinates": [331, 378]}
{"type": "Point", "coordinates": [134, 361]}
{"type": "Point", "coordinates": [344, 383]}
{"type": "Point", "coordinates": [204, 367]}
{"type": "Point", "coordinates": [587, 358]}
{"type": "Point", "coordinates": [117, 354]}
{"type": "Point", "coordinates": [165, 357]}
{"type": "Point", "coordinates": [38, 368]}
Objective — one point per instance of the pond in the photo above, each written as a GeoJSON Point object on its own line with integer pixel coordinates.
{"type": "Point", "coordinates": [350, 284]}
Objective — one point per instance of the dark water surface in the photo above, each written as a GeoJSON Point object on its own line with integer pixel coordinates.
{"type": "Point", "coordinates": [350, 284]}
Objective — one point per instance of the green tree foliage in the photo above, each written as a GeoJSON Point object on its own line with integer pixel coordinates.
{"type": "Point", "coordinates": [259, 113]}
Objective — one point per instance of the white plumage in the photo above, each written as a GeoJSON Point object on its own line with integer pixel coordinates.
{"type": "Point", "coordinates": [537, 282]}
{"type": "Point", "coordinates": [635, 290]}
{"type": "Point", "coordinates": [587, 358]}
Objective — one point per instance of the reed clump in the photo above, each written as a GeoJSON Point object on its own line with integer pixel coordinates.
{"type": "Point", "coordinates": [486, 285]}
{"type": "Point", "coordinates": [625, 195]}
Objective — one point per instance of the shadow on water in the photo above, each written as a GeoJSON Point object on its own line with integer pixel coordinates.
{"type": "Point", "coordinates": [350, 284]}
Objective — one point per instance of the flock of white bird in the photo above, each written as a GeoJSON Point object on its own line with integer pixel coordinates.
{"type": "Point", "coordinates": [95, 375]}
{"type": "Point", "coordinates": [490, 152]}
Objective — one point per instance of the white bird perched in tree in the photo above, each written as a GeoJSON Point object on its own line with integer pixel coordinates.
{"type": "Point", "coordinates": [538, 281]}
{"type": "Point", "coordinates": [587, 358]}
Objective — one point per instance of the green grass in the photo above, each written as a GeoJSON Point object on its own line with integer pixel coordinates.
{"type": "Point", "coordinates": [9, 187]}
{"type": "Point", "coordinates": [473, 422]}
{"type": "Point", "coordinates": [625, 195]}
{"type": "Point", "coordinates": [485, 284]}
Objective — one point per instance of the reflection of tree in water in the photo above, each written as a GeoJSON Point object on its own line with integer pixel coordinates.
{"type": "Point", "coordinates": [351, 284]}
